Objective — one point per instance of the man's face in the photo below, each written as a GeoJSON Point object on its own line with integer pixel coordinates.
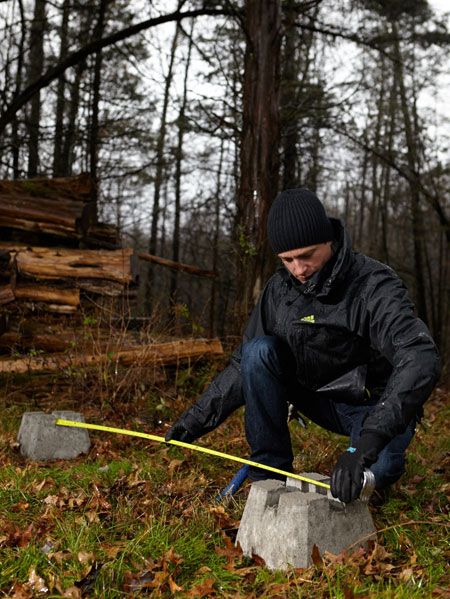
{"type": "Point", "coordinates": [304, 262]}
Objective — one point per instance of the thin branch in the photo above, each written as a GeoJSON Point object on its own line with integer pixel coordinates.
{"type": "Point", "coordinates": [94, 46]}
{"type": "Point", "coordinates": [405, 173]}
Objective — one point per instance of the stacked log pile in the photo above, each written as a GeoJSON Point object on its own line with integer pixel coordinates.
{"type": "Point", "coordinates": [52, 246]}
{"type": "Point", "coordinates": [51, 278]}
{"type": "Point", "coordinates": [53, 210]}
{"type": "Point", "coordinates": [57, 262]}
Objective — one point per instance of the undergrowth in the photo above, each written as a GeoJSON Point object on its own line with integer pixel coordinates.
{"type": "Point", "coordinates": [134, 518]}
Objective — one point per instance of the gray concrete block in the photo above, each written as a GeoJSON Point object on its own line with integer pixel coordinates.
{"type": "Point", "coordinates": [41, 439]}
{"type": "Point", "coordinates": [281, 523]}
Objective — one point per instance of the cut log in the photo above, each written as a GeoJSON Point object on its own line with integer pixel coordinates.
{"type": "Point", "coordinates": [103, 235]}
{"type": "Point", "coordinates": [99, 287]}
{"type": "Point", "coordinates": [156, 353]}
{"type": "Point", "coordinates": [77, 188]}
{"type": "Point", "coordinates": [13, 246]}
{"type": "Point", "coordinates": [57, 207]}
{"type": "Point", "coordinates": [47, 342]}
{"type": "Point", "coordinates": [23, 224]}
{"type": "Point", "coordinates": [45, 307]}
{"type": "Point", "coordinates": [51, 264]}
{"type": "Point", "coordinates": [6, 294]}
{"type": "Point", "coordinates": [59, 308]}
{"type": "Point", "coordinates": [33, 333]}
{"type": "Point", "coordinates": [193, 270]}
{"type": "Point", "coordinates": [170, 352]}
{"type": "Point", "coordinates": [43, 293]}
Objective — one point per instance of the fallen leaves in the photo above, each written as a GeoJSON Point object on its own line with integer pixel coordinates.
{"type": "Point", "coordinates": [167, 490]}
{"type": "Point", "coordinates": [223, 518]}
{"type": "Point", "coordinates": [316, 557]}
{"type": "Point", "coordinates": [230, 552]}
{"type": "Point", "coordinates": [16, 537]}
{"type": "Point", "coordinates": [35, 585]}
{"type": "Point", "coordinates": [203, 589]}
{"type": "Point", "coordinates": [157, 576]}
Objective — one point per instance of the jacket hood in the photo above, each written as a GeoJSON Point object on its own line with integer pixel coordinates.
{"type": "Point", "coordinates": [344, 258]}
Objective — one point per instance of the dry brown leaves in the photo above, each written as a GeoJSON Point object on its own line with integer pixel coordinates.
{"type": "Point", "coordinates": [157, 576]}
{"type": "Point", "coordinates": [36, 586]}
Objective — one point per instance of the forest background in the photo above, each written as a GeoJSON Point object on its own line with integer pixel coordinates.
{"type": "Point", "coordinates": [191, 116]}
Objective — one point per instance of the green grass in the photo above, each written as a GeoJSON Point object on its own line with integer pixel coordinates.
{"type": "Point", "coordinates": [131, 513]}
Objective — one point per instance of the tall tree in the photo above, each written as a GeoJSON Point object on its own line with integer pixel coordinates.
{"type": "Point", "coordinates": [94, 120]}
{"type": "Point", "coordinates": [15, 141]}
{"type": "Point", "coordinates": [159, 174]}
{"type": "Point", "coordinates": [259, 154]}
{"type": "Point", "coordinates": [35, 69]}
{"type": "Point", "coordinates": [181, 124]}
{"type": "Point", "coordinates": [60, 92]}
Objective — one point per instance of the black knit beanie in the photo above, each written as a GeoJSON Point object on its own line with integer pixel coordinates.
{"type": "Point", "coordinates": [297, 219]}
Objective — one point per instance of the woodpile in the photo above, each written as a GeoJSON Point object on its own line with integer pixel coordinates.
{"type": "Point", "coordinates": [52, 278]}
{"type": "Point", "coordinates": [55, 209]}
{"type": "Point", "coordinates": [58, 264]}
{"type": "Point", "coordinates": [53, 250]}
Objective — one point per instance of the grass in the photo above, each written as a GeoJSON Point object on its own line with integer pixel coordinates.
{"type": "Point", "coordinates": [134, 518]}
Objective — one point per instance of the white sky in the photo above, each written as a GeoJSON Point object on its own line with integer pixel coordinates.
{"type": "Point", "coordinates": [159, 40]}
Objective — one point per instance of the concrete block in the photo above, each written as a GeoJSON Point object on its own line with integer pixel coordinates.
{"type": "Point", "coordinates": [282, 522]}
{"type": "Point", "coordinates": [41, 439]}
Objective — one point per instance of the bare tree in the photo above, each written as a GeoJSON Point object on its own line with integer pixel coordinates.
{"type": "Point", "coordinates": [35, 69]}
{"type": "Point", "coordinates": [160, 148]}
{"type": "Point", "coordinates": [259, 155]}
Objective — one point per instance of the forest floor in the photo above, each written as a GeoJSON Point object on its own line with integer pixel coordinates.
{"type": "Point", "coordinates": [136, 518]}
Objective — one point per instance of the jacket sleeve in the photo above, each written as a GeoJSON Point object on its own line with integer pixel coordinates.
{"type": "Point", "coordinates": [224, 394]}
{"type": "Point", "coordinates": [405, 341]}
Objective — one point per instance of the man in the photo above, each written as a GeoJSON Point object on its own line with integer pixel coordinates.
{"type": "Point", "coordinates": [334, 334]}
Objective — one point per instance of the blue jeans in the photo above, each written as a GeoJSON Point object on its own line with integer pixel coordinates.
{"type": "Point", "coordinates": [269, 385]}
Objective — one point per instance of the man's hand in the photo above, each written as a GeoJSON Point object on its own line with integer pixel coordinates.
{"type": "Point", "coordinates": [178, 432]}
{"type": "Point", "coordinates": [347, 477]}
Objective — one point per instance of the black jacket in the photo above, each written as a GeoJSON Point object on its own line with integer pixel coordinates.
{"type": "Point", "coordinates": [354, 317]}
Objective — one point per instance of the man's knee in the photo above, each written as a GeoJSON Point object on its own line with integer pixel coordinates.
{"type": "Point", "coordinates": [388, 469]}
{"type": "Point", "coordinates": [266, 350]}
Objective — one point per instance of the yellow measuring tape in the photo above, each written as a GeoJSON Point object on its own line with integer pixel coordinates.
{"type": "Point", "coordinates": [219, 454]}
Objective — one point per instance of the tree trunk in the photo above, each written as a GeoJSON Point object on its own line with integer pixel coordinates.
{"type": "Point", "coordinates": [179, 161]}
{"type": "Point", "coordinates": [414, 168]}
{"type": "Point", "coordinates": [259, 160]}
{"type": "Point", "coordinates": [160, 146]}
{"type": "Point", "coordinates": [215, 249]}
{"type": "Point", "coordinates": [289, 84]}
{"type": "Point", "coordinates": [375, 163]}
{"type": "Point", "coordinates": [15, 139]}
{"type": "Point", "coordinates": [60, 93]}
{"type": "Point", "coordinates": [69, 139]}
{"type": "Point", "coordinates": [386, 171]}
{"type": "Point", "coordinates": [94, 124]}
{"type": "Point", "coordinates": [443, 311]}
{"type": "Point", "coordinates": [35, 69]}
{"type": "Point", "coordinates": [359, 228]}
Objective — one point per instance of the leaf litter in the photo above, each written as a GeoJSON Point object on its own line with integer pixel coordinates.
{"type": "Point", "coordinates": [171, 492]}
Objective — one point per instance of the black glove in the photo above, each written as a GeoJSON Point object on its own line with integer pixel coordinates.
{"type": "Point", "coordinates": [347, 477]}
{"type": "Point", "coordinates": [178, 432]}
